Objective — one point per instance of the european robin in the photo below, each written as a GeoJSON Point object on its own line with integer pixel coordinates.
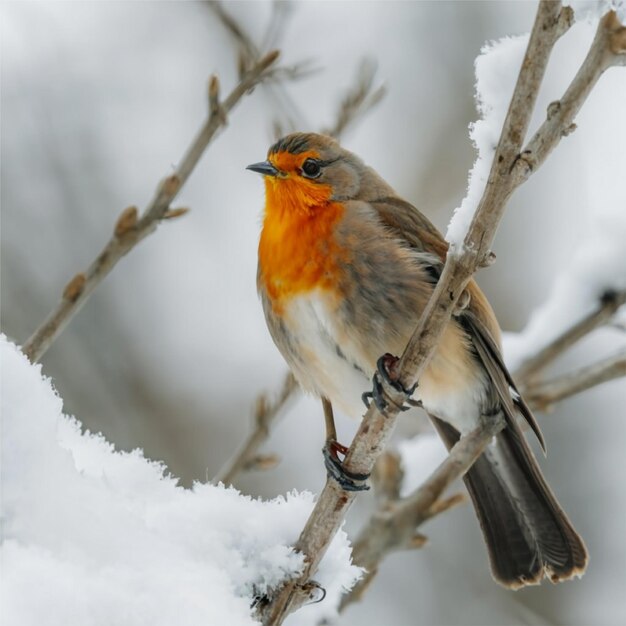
{"type": "Point", "coordinates": [345, 269]}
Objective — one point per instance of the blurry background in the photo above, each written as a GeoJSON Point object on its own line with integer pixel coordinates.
{"type": "Point", "coordinates": [99, 100]}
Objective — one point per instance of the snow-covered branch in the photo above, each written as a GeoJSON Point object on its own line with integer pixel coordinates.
{"type": "Point", "coordinates": [130, 229]}
{"type": "Point", "coordinates": [510, 167]}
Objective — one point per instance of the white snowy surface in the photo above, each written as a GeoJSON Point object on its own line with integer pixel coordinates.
{"type": "Point", "coordinates": [594, 9]}
{"type": "Point", "coordinates": [496, 72]}
{"type": "Point", "coordinates": [94, 536]}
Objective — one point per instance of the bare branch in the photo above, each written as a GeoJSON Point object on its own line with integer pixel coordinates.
{"type": "Point", "coordinates": [389, 529]}
{"type": "Point", "coordinates": [282, 10]}
{"type": "Point", "coordinates": [248, 52]}
{"type": "Point", "coordinates": [532, 366]}
{"type": "Point", "coordinates": [361, 98]}
{"type": "Point", "coordinates": [247, 456]}
{"type": "Point", "coordinates": [129, 230]}
{"type": "Point", "coordinates": [394, 526]}
{"type": "Point", "coordinates": [607, 50]}
{"type": "Point", "coordinates": [297, 71]}
{"type": "Point", "coordinates": [543, 395]}
{"type": "Point", "coordinates": [382, 535]}
{"type": "Point", "coordinates": [377, 426]}
{"type": "Point", "coordinates": [384, 532]}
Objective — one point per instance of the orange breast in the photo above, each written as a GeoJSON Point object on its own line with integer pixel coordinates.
{"type": "Point", "coordinates": [297, 250]}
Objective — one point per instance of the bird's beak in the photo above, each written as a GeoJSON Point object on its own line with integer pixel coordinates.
{"type": "Point", "coordinates": [265, 168]}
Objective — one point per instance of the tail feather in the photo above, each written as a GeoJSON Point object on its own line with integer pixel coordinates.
{"type": "Point", "coordinates": [527, 533]}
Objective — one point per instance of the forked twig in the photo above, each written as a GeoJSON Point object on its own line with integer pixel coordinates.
{"type": "Point", "coordinates": [359, 100]}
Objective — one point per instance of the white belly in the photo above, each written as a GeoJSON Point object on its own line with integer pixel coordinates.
{"type": "Point", "coordinates": [330, 364]}
{"type": "Point", "coordinates": [327, 366]}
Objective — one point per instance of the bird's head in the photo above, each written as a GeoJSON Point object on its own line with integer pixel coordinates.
{"type": "Point", "coordinates": [305, 171]}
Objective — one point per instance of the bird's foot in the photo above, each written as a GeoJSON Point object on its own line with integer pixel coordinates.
{"type": "Point", "coordinates": [383, 397]}
{"type": "Point", "coordinates": [349, 481]}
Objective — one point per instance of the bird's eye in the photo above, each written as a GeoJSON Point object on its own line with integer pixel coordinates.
{"type": "Point", "coordinates": [311, 168]}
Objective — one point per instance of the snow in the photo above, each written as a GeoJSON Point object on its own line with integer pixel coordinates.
{"type": "Point", "coordinates": [594, 9]}
{"type": "Point", "coordinates": [496, 72]}
{"type": "Point", "coordinates": [597, 267]}
{"type": "Point", "coordinates": [95, 536]}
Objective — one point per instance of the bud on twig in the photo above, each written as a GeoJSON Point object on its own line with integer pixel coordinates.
{"type": "Point", "coordinates": [215, 108]}
{"type": "Point", "coordinates": [75, 287]}
{"type": "Point", "coordinates": [417, 541]}
{"type": "Point", "coordinates": [126, 221]}
{"type": "Point", "coordinates": [170, 185]}
{"type": "Point", "coordinates": [263, 462]}
{"type": "Point", "coordinates": [174, 213]}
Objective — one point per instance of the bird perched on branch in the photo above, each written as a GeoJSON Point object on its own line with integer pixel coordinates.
{"type": "Point", "coordinates": [346, 268]}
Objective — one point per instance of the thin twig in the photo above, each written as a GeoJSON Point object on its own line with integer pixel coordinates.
{"type": "Point", "coordinates": [247, 457]}
{"type": "Point", "coordinates": [533, 365]}
{"type": "Point", "coordinates": [282, 10]}
{"type": "Point", "coordinates": [360, 99]}
{"type": "Point", "coordinates": [249, 53]}
{"type": "Point", "coordinates": [130, 229]}
{"type": "Point", "coordinates": [608, 49]}
{"type": "Point", "coordinates": [377, 426]}
{"type": "Point", "coordinates": [543, 395]}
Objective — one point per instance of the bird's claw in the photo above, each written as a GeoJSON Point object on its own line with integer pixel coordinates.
{"type": "Point", "coordinates": [381, 378]}
{"type": "Point", "coordinates": [349, 481]}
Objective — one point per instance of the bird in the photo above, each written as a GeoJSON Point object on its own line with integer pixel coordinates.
{"type": "Point", "coordinates": [345, 269]}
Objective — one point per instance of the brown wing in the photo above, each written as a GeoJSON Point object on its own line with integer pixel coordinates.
{"type": "Point", "coordinates": [489, 354]}
{"type": "Point", "coordinates": [408, 224]}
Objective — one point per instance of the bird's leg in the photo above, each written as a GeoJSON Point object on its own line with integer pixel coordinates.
{"type": "Point", "coordinates": [382, 378]}
{"type": "Point", "coordinates": [349, 481]}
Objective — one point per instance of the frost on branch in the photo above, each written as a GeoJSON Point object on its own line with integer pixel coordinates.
{"type": "Point", "coordinates": [496, 69]}
{"type": "Point", "coordinates": [97, 536]}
